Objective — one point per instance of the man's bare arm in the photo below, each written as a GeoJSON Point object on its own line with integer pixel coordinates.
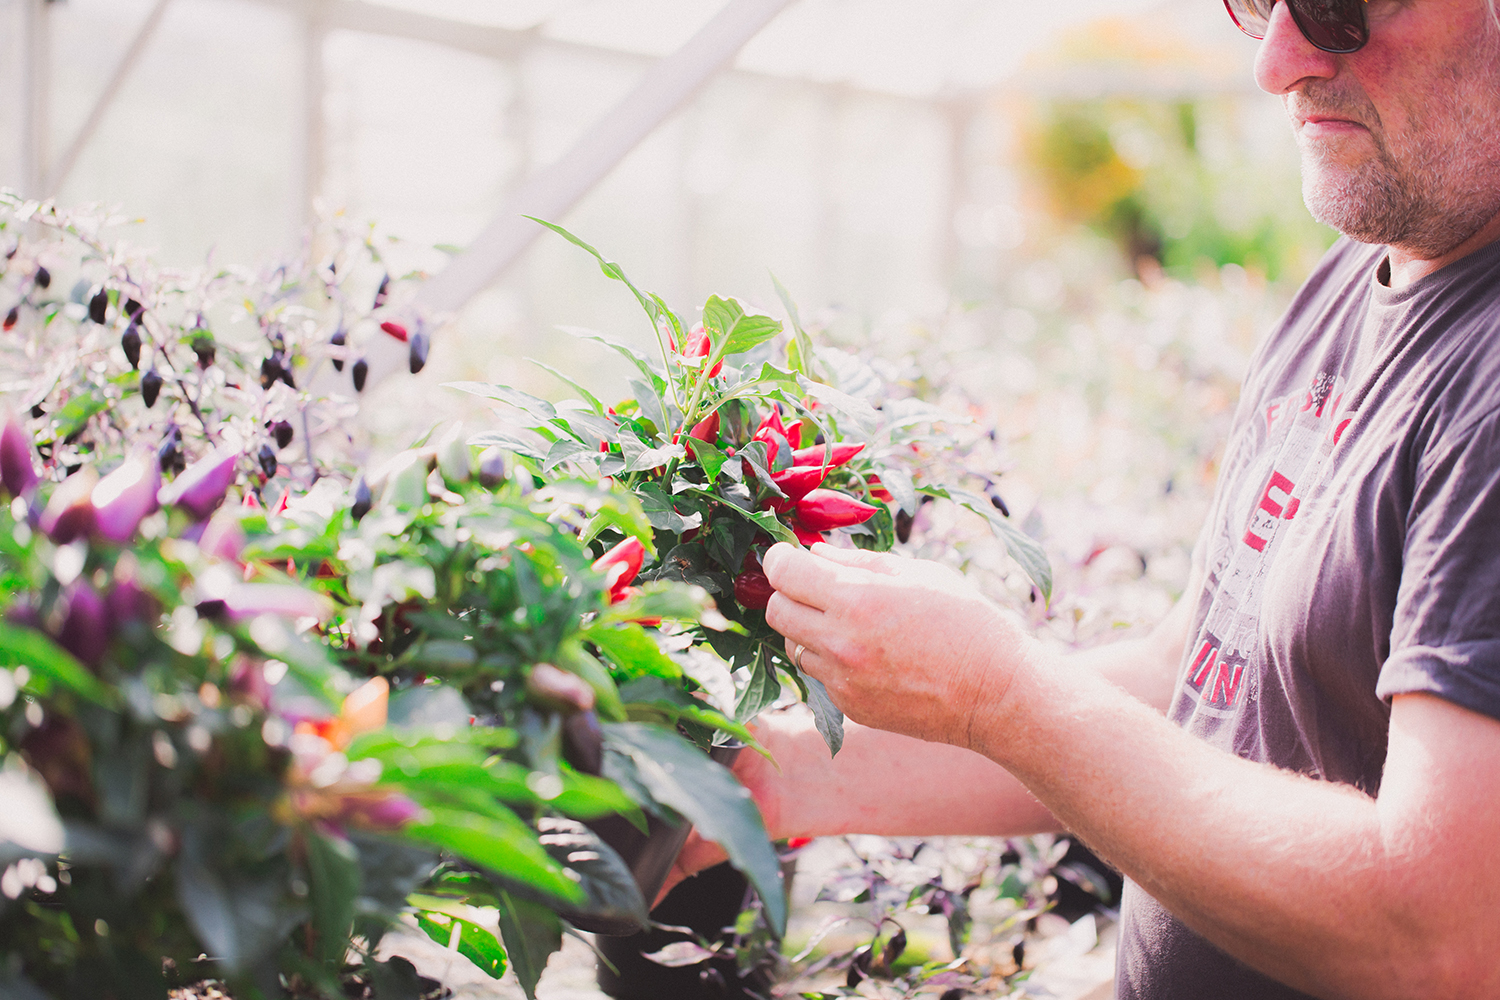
{"type": "Point", "coordinates": [1314, 883]}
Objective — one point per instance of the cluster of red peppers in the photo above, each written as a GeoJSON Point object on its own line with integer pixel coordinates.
{"type": "Point", "coordinates": [808, 508]}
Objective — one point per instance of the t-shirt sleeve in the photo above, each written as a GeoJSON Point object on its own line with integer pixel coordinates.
{"type": "Point", "coordinates": [1445, 638]}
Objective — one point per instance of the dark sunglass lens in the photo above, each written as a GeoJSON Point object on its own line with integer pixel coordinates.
{"type": "Point", "coordinates": [1332, 25]}
{"type": "Point", "coordinates": [1252, 16]}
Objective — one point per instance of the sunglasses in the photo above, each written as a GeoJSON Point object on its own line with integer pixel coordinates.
{"type": "Point", "coordinates": [1332, 25]}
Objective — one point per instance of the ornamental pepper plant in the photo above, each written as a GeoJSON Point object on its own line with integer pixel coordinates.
{"type": "Point", "coordinates": [736, 435]}
{"type": "Point", "coordinates": [257, 706]}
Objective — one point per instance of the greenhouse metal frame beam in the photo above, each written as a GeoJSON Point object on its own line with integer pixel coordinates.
{"type": "Point", "coordinates": [549, 194]}
{"type": "Point", "coordinates": [52, 181]}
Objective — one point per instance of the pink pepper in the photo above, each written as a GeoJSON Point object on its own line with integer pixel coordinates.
{"type": "Point", "coordinates": [201, 485]}
{"type": "Point", "coordinates": [125, 496]}
{"type": "Point", "coordinates": [70, 511]}
{"type": "Point", "coordinates": [824, 510]}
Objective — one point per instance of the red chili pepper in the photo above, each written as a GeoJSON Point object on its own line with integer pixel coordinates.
{"type": "Point", "coordinates": [806, 535]}
{"type": "Point", "coordinates": [620, 565]}
{"type": "Point", "coordinates": [794, 434]}
{"type": "Point", "coordinates": [395, 330]}
{"type": "Point", "coordinates": [824, 510]}
{"type": "Point", "coordinates": [797, 482]}
{"type": "Point", "coordinates": [878, 491]}
{"type": "Point", "coordinates": [706, 429]}
{"type": "Point", "coordinates": [795, 843]}
{"type": "Point", "coordinates": [753, 590]}
{"type": "Point", "coordinates": [697, 346]}
{"type": "Point", "coordinates": [772, 421]}
{"type": "Point", "coordinates": [814, 455]}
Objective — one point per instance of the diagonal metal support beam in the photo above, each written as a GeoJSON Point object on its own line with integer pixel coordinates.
{"type": "Point", "coordinates": [65, 163]}
{"type": "Point", "coordinates": [552, 192]}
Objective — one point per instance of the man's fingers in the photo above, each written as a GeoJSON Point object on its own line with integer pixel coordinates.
{"type": "Point", "coordinates": [875, 562]}
{"type": "Point", "coordinates": [793, 619]}
{"type": "Point", "coordinates": [799, 575]}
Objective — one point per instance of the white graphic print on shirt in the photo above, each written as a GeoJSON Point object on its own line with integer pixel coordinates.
{"type": "Point", "coordinates": [1294, 441]}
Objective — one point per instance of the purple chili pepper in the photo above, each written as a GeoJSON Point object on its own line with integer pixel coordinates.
{"type": "Point", "coordinates": [129, 604]}
{"type": "Point", "coordinates": [122, 498]}
{"type": "Point", "coordinates": [16, 470]}
{"type": "Point", "coordinates": [85, 627]}
{"type": "Point", "coordinates": [202, 485]}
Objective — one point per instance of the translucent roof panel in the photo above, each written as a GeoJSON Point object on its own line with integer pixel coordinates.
{"type": "Point", "coordinates": [930, 49]}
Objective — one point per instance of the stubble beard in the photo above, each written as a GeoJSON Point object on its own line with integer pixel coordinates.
{"type": "Point", "coordinates": [1426, 199]}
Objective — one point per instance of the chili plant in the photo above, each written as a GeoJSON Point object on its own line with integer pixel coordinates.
{"type": "Point", "coordinates": [738, 435]}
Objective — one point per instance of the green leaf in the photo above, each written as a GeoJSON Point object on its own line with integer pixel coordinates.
{"type": "Point", "coordinates": [505, 846]}
{"type": "Point", "coordinates": [761, 690]}
{"type": "Point", "coordinates": [639, 458]}
{"type": "Point", "coordinates": [801, 351]}
{"type": "Point", "coordinates": [853, 407]}
{"type": "Point", "coordinates": [664, 599]}
{"type": "Point", "coordinates": [333, 883]}
{"type": "Point", "coordinates": [589, 397]}
{"type": "Point", "coordinates": [708, 457]}
{"type": "Point", "coordinates": [898, 481]}
{"type": "Point", "coordinates": [1025, 550]}
{"type": "Point", "coordinates": [562, 450]}
{"type": "Point", "coordinates": [607, 881]}
{"type": "Point", "coordinates": [767, 521]}
{"type": "Point", "coordinates": [660, 512]}
{"type": "Point", "coordinates": [732, 331]}
{"type": "Point", "coordinates": [826, 715]}
{"type": "Point", "coordinates": [475, 943]}
{"type": "Point", "coordinates": [20, 646]}
{"type": "Point", "coordinates": [683, 778]}
{"type": "Point", "coordinates": [535, 407]}
{"type": "Point", "coordinates": [610, 268]}
{"type": "Point", "coordinates": [531, 447]}
{"type": "Point", "coordinates": [650, 699]}
{"type": "Point", "coordinates": [632, 650]}
{"type": "Point", "coordinates": [531, 933]}
{"type": "Point", "coordinates": [572, 657]}
{"type": "Point", "coordinates": [77, 411]}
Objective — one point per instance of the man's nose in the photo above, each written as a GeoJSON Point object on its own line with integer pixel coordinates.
{"type": "Point", "coordinates": [1286, 58]}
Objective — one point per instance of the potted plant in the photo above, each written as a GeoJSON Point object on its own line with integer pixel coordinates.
{"type": "Point", "coordinates": [263, 729]}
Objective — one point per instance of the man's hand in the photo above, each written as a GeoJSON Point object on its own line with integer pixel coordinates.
{"type": "Point", "coordinates": [902, 645]}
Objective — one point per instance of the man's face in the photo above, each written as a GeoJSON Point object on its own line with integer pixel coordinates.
{"type": "Point", "coordinates": [1400, 140]}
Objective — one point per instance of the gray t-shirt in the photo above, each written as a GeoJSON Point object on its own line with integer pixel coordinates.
{"type": "Point", "coordinates": [1352, 554]}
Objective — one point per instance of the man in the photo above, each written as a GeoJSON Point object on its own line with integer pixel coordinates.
{"type": "Point", "coordinates": [1318, 811]}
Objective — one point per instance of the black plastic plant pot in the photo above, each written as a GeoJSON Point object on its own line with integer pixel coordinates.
{"type": "Point", "coordinates": [649, 856]}
{"type": "Point", "coordinates": [708, 904]}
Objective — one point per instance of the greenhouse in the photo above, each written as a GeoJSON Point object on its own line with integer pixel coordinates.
{"type": "Point", "coordinates": [571, 499]}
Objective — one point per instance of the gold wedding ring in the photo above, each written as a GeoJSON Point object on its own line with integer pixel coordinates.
{"type": "Point", "coordinates": [797, 656]}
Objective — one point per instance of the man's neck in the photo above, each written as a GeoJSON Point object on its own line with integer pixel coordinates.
{"type": "Point", "coordinates": [1406, 268]}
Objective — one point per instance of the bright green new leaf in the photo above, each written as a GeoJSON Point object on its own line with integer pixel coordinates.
{"type": "Point", "coordinates": [631, 649]}
{"type": "Point", "coordinates": [732, 331]}
{"type": "Point", "coordinates": [473, 942]}
{"type": "Point", "coordinates": [507, 847]}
